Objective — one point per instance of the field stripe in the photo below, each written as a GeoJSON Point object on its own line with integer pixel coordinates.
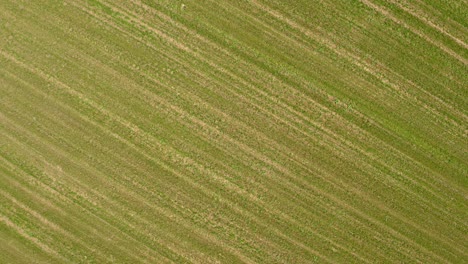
{"type": "Point", "coordinates": [96, 106]}
{"type": "Point", "coordinates": [386, 13]}
{"type": "Point", "coordinates": [422, 17]}
{"type": "Point", "coordinates": [306, 160]}
{"type": "Point", "coordinates": [133, 147]}
{"type": "Point", "coordinates": [35, 241]}
{"type": "Point", "coordinates": [135, 196]}
{"type": "Point", "coordinates": [134, 128]}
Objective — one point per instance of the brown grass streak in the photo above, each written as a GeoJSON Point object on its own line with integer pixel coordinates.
{"type": "Point", "coordinates": [421, 16]}
{"type": "Point", "coordinates": [387, 13]}
{"type": "Point", "coordinates": [46, 249]}
{"type": "Point", "coordinates": [442, 17]}
{"type": "Point", "coordinates": [433, 79]}
{"type": "Point", "coordinates": [11, 248]}
{"type": "Point", "coordinates": [47, 224]}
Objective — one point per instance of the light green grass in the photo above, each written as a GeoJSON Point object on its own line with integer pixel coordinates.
{"type": "Point", "coordinates": [233, 132]}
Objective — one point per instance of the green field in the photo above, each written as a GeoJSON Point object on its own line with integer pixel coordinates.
{"type": "Point", "coordinates": [233, 131]}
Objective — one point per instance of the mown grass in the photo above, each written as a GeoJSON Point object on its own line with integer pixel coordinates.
{"type": "Point", "coordinates": [232, 132]}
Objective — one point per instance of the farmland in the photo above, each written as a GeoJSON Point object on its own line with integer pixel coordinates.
{"type": "Point", "coordinates": [260, 131]}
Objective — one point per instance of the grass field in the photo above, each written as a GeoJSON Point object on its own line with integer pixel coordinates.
{"type": "Point", "coordinates": [241, 131]}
